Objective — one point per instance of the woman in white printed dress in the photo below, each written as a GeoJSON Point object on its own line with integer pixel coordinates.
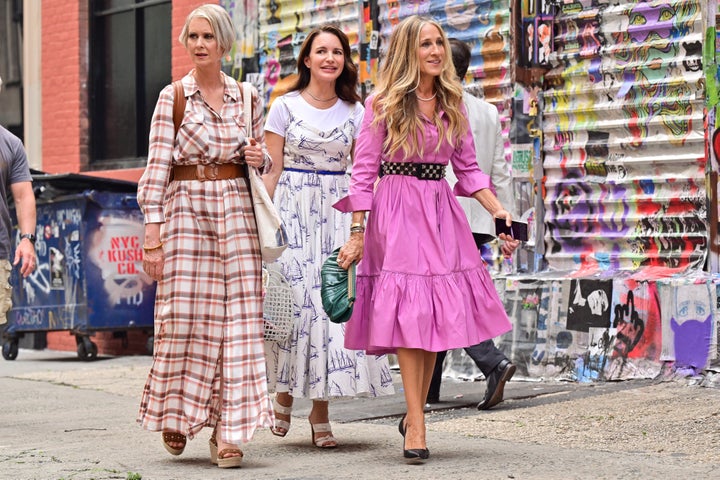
{"type": "Point", "coordinates": [201, 245]}
{"type": "Point", "coordinates": [310, 134]}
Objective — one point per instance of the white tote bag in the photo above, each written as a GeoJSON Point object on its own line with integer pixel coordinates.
{"type": "Point", "coordinates": [272, 235]}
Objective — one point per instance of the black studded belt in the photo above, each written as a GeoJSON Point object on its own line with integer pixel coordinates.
{"type": "Point", "coordinates": [422, 171]}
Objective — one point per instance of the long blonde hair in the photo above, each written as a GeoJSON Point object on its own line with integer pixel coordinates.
{"type": "Point", "coordinates": [395, 102]}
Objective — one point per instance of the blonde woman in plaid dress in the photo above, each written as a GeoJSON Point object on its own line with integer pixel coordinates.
{"type": "Point", "coordinates": [201, 246]}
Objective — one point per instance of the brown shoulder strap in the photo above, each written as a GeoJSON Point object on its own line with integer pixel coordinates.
{"type": "Point", "coordinates": [179, 102]}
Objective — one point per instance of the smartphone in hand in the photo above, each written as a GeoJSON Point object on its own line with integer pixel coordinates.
{"type": "Point", "coordinates": [518, 230]}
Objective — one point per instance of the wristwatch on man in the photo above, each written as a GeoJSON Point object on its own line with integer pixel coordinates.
{"type": "Point", "coordinates": [29, 236]}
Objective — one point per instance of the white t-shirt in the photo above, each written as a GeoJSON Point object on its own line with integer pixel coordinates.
{"type": "Point", "coordinates": [322, 119]}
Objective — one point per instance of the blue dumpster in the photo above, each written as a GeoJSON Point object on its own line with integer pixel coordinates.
{"type": "Point", "coordinates": [89, 273]}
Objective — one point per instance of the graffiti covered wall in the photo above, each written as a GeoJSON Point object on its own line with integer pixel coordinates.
{"type": "Point", "coordinates": [283, 25]}
{"type": "Point", "coordinates": [624, 140]}
{"type": "Point", "coordinates": [609, 158]}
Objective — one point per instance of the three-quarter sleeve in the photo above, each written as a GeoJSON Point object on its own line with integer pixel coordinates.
{"type": "Point", "coordinates": [154, 181]}
{"type": "Point", "coordinates": [470, 178]}
{"type": "Point", "coordinates": [366, 164]}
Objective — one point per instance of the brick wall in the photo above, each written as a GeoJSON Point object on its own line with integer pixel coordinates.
{"type": "Point", "coordinates": [135, 344]}
{"type": "Point", "coordinates": [65, 128]}
{"type": "Point", "coordinates": [181, 63]}
{"type": "Point", "coordinates": [61, 66]}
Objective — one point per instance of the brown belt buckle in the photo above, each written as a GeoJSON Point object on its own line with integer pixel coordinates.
{"type": "Point", "coordinates": [207, 172]}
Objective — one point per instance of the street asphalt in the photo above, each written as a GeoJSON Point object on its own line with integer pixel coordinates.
{"type": "Point", "coordinates": [63, 418]}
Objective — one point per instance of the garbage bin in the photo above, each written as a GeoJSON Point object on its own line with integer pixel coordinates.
{"type": "Point", "coordinates": [89, 270]}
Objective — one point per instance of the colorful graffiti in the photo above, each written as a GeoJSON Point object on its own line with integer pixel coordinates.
{"type": "Point", "coordinates": [626, 122]}
{"type": "Point", "coordinates": [283, 25]}
{"type": "Point", "coordinates": [610, 154]}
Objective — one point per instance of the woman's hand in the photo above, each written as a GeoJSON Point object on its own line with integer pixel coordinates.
{"type": "Point", "coordinates": [254, 155]}
{"type": "Point", "coordinates": [509, 243]}
{"type": "Point", "coordinates": [153, 262]}
{"type": "Point", "coordinates": [352, 251]}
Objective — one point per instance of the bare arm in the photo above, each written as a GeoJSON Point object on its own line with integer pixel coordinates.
{"type": "Point", "coordinates": [490, 202]}
{"type": "Point", "coordinates": [25, 206]}
{"type": "Point", "coordinates": [502, 179]}
{"type": "Point", "coordinates": [275, 146]}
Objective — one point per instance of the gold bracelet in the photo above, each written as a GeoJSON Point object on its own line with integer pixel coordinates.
{"type": "Point", "coordinates": [150, 249]}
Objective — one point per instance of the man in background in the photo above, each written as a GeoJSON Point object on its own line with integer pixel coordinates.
{"type": "Point", "coordinates": [15, 179]}
{"type": "Point", "coordinates": [489, 145]}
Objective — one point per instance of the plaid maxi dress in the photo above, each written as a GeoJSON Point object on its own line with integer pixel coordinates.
{"type": "Point", "coordinates": [208, 309]}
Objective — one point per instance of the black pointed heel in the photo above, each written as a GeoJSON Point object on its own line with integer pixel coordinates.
{"type": "Point", "coordinates": [416, 454]}
{"type": "Point", "coordinates": [412, 454]}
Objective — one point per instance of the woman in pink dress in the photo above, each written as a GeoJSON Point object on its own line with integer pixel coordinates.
{"type": "Point", "coordinates": [421, 285]}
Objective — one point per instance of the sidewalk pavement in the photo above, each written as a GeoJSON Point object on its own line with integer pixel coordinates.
{"type": "Point", "coordinates": [63, 418]}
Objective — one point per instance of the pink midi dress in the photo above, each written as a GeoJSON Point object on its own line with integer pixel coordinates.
{"type": "Point", "coordinates": [421, 283]}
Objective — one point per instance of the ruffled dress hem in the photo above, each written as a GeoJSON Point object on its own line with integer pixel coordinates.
{"type": "Point", "coordinates": [428, 312]}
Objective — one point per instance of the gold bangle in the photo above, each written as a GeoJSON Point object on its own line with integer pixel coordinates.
{"type": "Point", "coordinates": [150, 249]}
{"type": "Point", "coordinates": [356, 225]}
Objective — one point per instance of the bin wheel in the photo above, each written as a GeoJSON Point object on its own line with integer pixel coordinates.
{"type": "Point", "coordinates": [86, 349]}
{"type": "Point", "coordinates": [150, 345]}
{"type": "Point", "coordinates": [10, 350]}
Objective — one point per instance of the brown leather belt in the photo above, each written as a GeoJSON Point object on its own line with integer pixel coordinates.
{"type": "Point", "coordinates": [210, 171]}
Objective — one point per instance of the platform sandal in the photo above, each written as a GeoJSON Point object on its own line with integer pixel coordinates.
{"type": "Point", "coordinates": [225, 458]}
{"type": "Point", "coordinates": [174, 437]}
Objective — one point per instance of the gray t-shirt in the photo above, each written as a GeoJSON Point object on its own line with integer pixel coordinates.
{"type": "Point", "coordinates": [14, 168]}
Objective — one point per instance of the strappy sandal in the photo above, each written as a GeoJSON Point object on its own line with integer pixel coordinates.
{"type": "Point", "coordinates": [327, 441]}
{"type": "Point", "coordinates": [174, 437]}
{"type": "Point", "coordinates": [281, 424]}
{"type": "Point", "coordinates": [225, 458]}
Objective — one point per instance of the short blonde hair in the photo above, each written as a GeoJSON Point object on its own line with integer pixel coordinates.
{"type": "Point", "coordinates": [220, 22]}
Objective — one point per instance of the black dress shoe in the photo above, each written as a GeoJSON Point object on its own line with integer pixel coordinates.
{"type": "Point", "coordinates": [496, 384]}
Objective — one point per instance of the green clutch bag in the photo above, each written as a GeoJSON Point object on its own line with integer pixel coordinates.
{"type": "Point", "coordinates": [337, 289]}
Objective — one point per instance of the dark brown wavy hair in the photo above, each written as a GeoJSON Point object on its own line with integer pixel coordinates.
{"type": "Point", "coordinates": [347, 83]}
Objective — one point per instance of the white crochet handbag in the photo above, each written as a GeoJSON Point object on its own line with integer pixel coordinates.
{"type": "Point", "coordinates": [278, 304]}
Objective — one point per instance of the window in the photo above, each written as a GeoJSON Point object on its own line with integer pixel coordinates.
{"type": "Point", "coordinates": [11, 37]}
{"type": "Point", "coordinates": [130, 63]}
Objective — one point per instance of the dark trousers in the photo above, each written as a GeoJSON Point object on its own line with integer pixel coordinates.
{"type": "Point", "coordinates": [485, 355]}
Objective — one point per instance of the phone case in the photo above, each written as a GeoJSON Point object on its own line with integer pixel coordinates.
{"type": "Point", "coordinates": [518, 230]}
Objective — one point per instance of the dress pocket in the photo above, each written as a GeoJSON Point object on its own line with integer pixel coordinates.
{"type": "Point", "coordinates": [193, 137]}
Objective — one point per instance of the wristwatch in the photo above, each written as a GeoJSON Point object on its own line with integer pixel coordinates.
{"type": "Point", "coordinates": [29, 236]}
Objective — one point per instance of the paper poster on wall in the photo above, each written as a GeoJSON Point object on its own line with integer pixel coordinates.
{"type": "Point", "coordinates": [688, 328]}
{"type": "Point", "coordinates": [528, 52]}
{"type": "Point", "coordinates": [544, 40]}
{"type": "Point", "coordinates": [589, 304]}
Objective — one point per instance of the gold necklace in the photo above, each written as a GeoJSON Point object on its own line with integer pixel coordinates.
{"type": "Point", "coordinates": [426, 99]}
{"type": "Point", "coordinates": [317, 99]}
